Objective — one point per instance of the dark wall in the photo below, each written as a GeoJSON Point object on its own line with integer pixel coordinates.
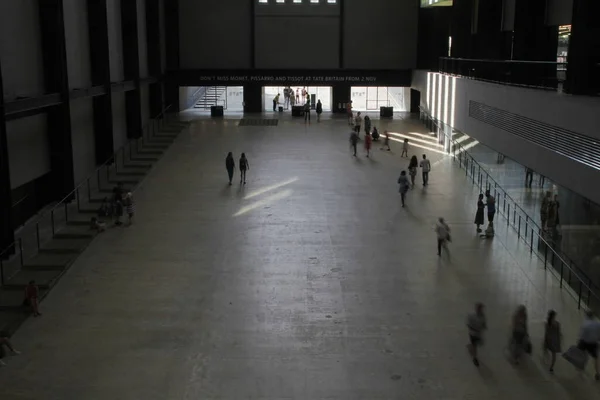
{"type": "Point", "coordinates": [434, 36]}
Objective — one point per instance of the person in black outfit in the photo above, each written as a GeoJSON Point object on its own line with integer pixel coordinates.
{"type": "Point", "coordinates": [244, 166]}
{"type": "Point", "coordinates": [353, 141]}
{"type": "Point", "coordinates": [319, 110]}
{"type": "Point", "coordinates": [307, 111]}
{"type": "Point", "coordinates": [230, 166]}
{"type": "Point", "coordinates": [479, 217]}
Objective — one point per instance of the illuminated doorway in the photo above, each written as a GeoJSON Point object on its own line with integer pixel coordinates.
{"type": "Point", "coordinates": [314, 93]}
{"type": "Point", "coordinates": [366, 98]}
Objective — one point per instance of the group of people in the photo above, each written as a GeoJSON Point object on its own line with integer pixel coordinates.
{"type": "Point", "coordinates": [120, 202]}
{"type": "Point", "coordinates": [306, 108]}
{"type": "Point", "coordinates": [230, 167]}
{"type": "Point", "coordinates": [413, 164]}
{"type": "Point", "coordinates": [490, 203]}
{"type": "Point", "coordinates": [291, 98]}
{"type": "Point", "coordinates": [520, 342]}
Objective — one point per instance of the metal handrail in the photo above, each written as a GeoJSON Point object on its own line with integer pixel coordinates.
{"type": "Point", "coordinates": [578, 274]}
{"type": "Point", "coordinates": [11, 246]}
{"type": "Point", "coordinates": [504, 61]}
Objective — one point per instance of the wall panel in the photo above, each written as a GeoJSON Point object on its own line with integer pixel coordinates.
{"type": "Point", "coordinates": [142, 38]}
{"type": "Point", "coordinates": [84, 147]}
{"type": "Point", "coordinates": [20, 49]}
{"type": "Point", "coordinates": [115, 41]}
{"type": "Point", "coordinates": [28, 154]}
{"type": "Point", "coordinates": [119, 120]}
{"type": "Point", "coordinates": [78, 43]}
{"type": "Point", "coordinates": [215, 33]}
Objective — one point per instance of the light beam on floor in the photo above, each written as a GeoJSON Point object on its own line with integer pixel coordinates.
{"type": "Point", "coordinates": [266, 189]}
{"type": "Point", "coordinates": [261, 203]}
{"type": "Point", "coordinates": [420, 146]}
{"type": "Point", "coordinates": [413, 139]}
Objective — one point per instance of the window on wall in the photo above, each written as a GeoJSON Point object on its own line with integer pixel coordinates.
{"type": "Point", "coordinates": [331, 1]}
{"type": "Point", "coordinates": [314, 1]}
{"type": "Point", "coordinates": [263, 1]}
{"type": "Point", "coordinates": [297, 1]}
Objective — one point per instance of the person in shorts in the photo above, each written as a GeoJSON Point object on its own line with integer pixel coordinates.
{"type": "Point", "coordinates": [477, 324]}
{"type": "Point", "coordinates": [588, 339]}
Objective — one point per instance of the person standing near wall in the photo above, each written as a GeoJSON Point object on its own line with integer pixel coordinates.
{"type": "Point", "coordinates": [528, 177]}
{"type": "Point", "coordinates": [491, 206]}
{"type": "Point", "coordinates": [479, 220]}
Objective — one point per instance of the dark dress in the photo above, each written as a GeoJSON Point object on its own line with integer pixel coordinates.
{"type": "Point", "coordinates": [479, 219]}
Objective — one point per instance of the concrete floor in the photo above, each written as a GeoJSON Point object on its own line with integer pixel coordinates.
{"type": "Point", "coordinates": [308, 283]}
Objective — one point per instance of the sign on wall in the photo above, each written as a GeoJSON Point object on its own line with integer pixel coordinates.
{"type": "Point", "coordinates": [286, 77]}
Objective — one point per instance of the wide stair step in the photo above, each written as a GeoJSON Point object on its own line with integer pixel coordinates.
{"type": "Point", "coordinates": [49, 262]}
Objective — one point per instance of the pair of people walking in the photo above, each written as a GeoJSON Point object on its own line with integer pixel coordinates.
{"type": "Point", "coordinates": [230, 166]}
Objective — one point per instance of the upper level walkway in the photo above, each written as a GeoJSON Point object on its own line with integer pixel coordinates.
{"type": "Point", "coordinates": [308, 282]}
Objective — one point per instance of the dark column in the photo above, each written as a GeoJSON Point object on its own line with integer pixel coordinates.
{"type": "Point", "coordinates": [460, 28]}
{"type": "Point", "coordinates": [131, 67]}
{"type": "Point", "coordinates": [533, 40]}
{"type": "Point", "coordinates": [489, 41]}
{"type": "Point", "coordinates": [154, 55]}
{"type": "Point", "coordinates": [6, 230]}
{"type": "Point", "coordinates": [340, 96]}
{"type": "Point", "coordinates": [172, 48]}
{"type": "Point", "coordinates": [253, 98]}
{"type": "Point", "coordinates": [584, 49]}
{"type": "Point", "coordinates": [100, 65]}
{"type": "Point", "coordinates": [52, 29]}
{"type": "Point", "coordinates": [433, 37]}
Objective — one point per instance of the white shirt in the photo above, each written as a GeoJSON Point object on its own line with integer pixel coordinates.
{"type": "Point", "coordinates": [476, 324]}
{"type": "Point", "coordinates": [590, 331]}
{"type": "Point", "coordinates": [426, 165]}
{"type": "Point", "coordinates": [442, 230]}
{"type": "Point", "coordinates": [358, 120]}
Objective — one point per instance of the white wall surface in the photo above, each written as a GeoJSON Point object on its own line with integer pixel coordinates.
{"type": "Point", "coordinates": [315, 42]}
{"type": "Point", "coordinates": [115, 40]}
{"type": "Point", "coordinates": [78, 43]}
{"type": "Point", "coordinates": [84, 146]}
{"type": "Point", "coordinates": [215, 33]}
{"type": "Point", "coordinates": [28, 154]}
{"type": "Point", "coordinates": [20, 49]}
{"type": "Point", "coordinates": [380, 34]}
{"type": "Point", "coordinates": [119, 120]}
{"type": "Point", "coordinates": [575, 113]}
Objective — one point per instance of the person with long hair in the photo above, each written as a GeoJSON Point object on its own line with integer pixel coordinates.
{"type": "Point", "coordinates": [552, 337]}
{"type": "Point", "coordinates": [412, 169]}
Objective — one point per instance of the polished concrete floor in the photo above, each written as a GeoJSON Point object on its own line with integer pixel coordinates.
{"type": "Point", "coordinates": [309, 282]}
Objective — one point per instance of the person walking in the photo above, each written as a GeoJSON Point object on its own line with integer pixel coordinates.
{"type": "Point", "coordinates": [589, 337]}
{"type": "Point", "coordinates": [426, 168]}
{"type": "Point", "coordinates": [552, 337]}
{"type": "Point", "coordinates": [491, 206]}
{"type": "Point", "coordinates": [32, 294]}
{"type": "Point", "coordinates": [357, 123]}
{"type": "Point", "coordinates": [5, 342]}
{"type": "Point", "coordinates": [404, 148]}
{"type": "Point", "coordinates": [307, 112]}
{"type": "Point", "coordinates": [367, 125]}
{"type": "Point", "coordinates": [244, 166]}
{"type": "Point", "coordinates": [442, 231]}
{"type": "Point", "coordinates": [275, 102]}
{"type": "Point", "coordinates": [477, 324]}
{"type": "Point", "coordinates": [519, 343]}
{"type": "Point", "coordinates": [412, 169]}
{"type": "Point", "coordinates": [353, 141]}
{"type": "Point", "coordinates": [403, 182]}
{"type": "Point", "coordinates": [386, 141]}
{"type": "Point", "coordinates": [319, 110]}
{"type": "Point", "coordinates": [368, 143]}
{"type": "Point", "coordinates": [230, 166]}
{"type": "Point", "coordinates": [528, 176]}
{"type": "Point", "coordinates": [479, 219]}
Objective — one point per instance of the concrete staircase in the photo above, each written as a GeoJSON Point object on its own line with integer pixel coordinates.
{"type": "Point", "coordinates": [72, 233]}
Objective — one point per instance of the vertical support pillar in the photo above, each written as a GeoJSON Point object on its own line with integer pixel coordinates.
{"type": "Point", "coordinates": [340, 96]}
{"type": "Point", "coordinates": [172, 49]}
{"type": "Point", "coordinates": [52, 29]}
{"type": "Point", "coordinates": [6, 229]}
{"type": "Point", "coordinates": [533, 40]}
{"type": "Point", "coordinates": [131, 67]}
{"type": "Point", "coordinates": [583, 71]}
{"type": "Point", "coordinates": [253, 98]}
{"type": "Point", "coordinates": [100, 66]}
{"type": "Point", "coordinates": [461, 28]}
{"type": "Point", "coordinates": [154, 55]}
